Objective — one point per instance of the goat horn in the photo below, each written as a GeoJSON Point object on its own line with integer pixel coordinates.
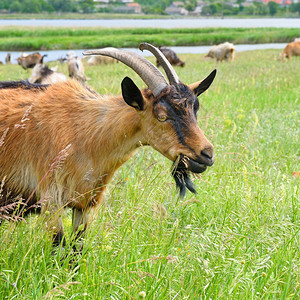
{"type": "Point", "coordinates": [150, 74]}
{"type": "Point", "coordinates": [171, 74]}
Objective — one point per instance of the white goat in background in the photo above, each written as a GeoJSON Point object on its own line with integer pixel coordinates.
{"type": "Point", "coordinates": [75, 67]}
{"type": "Point", "coordinates": [224, 51]}
{"type": "Point", "coordinates": [42, 74]}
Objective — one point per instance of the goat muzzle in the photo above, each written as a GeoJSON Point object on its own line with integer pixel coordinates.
{"type": "Point", "coordinates": [199, 165]}
{"type": "Point", "coordinates": [193, 165]}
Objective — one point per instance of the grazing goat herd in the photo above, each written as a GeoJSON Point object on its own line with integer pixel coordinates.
{"type": "Point", "coordinates": [61, 142]}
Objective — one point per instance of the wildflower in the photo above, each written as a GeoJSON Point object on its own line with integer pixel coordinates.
{"type": "Point", "coordinates": [3, 136]}
{"type": "Point", "coordinates": [171, 259]}
{"type": "Point", "coordinates": [24, 118]}
{"type": "Point", "coordinates": [142, 294]}
{"type": "Point", "coordinates": [61, 157]}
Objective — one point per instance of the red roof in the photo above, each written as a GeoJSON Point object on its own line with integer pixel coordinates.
{"type": "Point", "coordinates": [133, 5]}
{"type": "Point", "coordinates": [267, 1]}
{"type": "Point", "coordinates": [285, 2]}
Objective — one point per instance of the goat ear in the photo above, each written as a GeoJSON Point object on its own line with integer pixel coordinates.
{"type": "Point", "coordinates": [201, 86]}
{"type": "Point", "coordinates": [132, 94]}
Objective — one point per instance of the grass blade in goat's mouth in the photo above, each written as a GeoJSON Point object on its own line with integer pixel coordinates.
{"type": "Point", "coordinates": [181, 176]}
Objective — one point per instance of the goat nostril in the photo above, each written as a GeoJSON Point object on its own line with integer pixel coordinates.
{"type": "Point", "coordinates": [207, 153]}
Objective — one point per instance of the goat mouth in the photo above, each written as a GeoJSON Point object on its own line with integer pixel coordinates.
{"type": "Point", "coordinates": [192, 165]}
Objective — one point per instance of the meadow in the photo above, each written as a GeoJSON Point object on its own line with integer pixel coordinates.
{"type": "Point", "coordinates": [237, 238]}
{"type": "Point", "coordinates": [31, 38]}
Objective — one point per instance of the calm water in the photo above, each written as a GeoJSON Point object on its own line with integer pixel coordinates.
{"type": "Point", "coordinates": [54, 55]}
{"type": "Point", "coordinates": [160, 23]}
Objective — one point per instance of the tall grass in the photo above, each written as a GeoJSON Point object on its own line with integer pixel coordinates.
{"type": "Point", "coordinates": [16, 39]}
{"type": "Point", "coordinates": [237, 238]}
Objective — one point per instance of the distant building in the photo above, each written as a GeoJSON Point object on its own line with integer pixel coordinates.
{"type": "Point", "coordinates": [101, 1]}
{"type": "Point", "coordinates": [176, 8]}
{"type": "Point", "coordinates": [136, 7]}
{"type": "Point", "coordinates": [178, 3]}
{"type": "Point", "coordinates": [109, 1]}
{"type": "Point", "coordinates": [280, 2]}
{"type": "Point", "coordinates": [129, 8]}
{"type": "Point", "coordinates": [199, 7]}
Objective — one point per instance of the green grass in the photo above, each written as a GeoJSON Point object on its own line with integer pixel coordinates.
{"type": "Point", "coordinates": [237, 238]}
{"type": "Point", "coordinates": [16, 39]}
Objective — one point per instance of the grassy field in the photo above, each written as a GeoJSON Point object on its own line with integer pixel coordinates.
{"type": "Point", "coordinates": [237, 238]}
{"type": "Point", "coordinates": [31, 38]}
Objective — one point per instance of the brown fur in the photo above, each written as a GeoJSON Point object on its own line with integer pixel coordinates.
{"type": "Point", "coordinates": [291, 49]}
{"type": "Point", "coordinates": [8, 58]}
{"type": "Point", "coordinates": [30, 60]}
{"type": "Point", "coordinates": [171, 57]}
{"type": "Point", "coordinates": [63, 143]}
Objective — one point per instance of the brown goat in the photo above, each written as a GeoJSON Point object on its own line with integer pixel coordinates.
{"type": "Point", "coordinates": [291, 49]}
{"type": "Point", "coordinates": [171, 57]}
{"type": "Point", "coordinates": [30, 60]}
{"type": "Point", "coordinates": [90, 136]}
{"type": "Point", "coordinates": [8, 58]}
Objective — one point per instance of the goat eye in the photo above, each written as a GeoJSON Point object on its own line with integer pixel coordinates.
{"type": "Point", "coordinates": [162, 118]}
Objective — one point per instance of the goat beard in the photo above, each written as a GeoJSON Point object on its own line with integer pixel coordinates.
{"type": "Point", "coordinates": [181, 176]}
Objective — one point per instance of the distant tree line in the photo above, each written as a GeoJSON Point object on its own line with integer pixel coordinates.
{"type": "Point", "coordinates": [213, 7]}
{"type": "Point", "coordinates": [37, 6]}
{"type": "Point", "coordinates": [256, 8]}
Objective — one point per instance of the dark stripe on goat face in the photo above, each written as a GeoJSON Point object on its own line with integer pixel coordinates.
{"type": "Point", "coordinates": [181, 106]}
